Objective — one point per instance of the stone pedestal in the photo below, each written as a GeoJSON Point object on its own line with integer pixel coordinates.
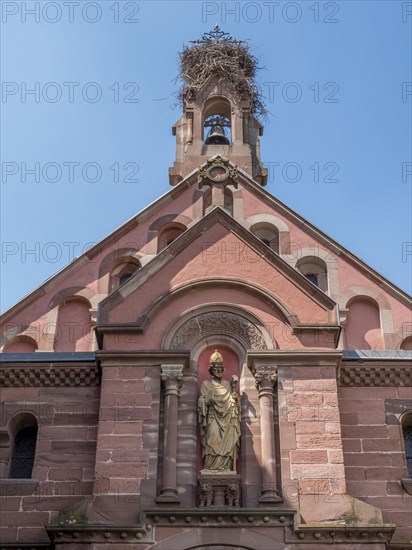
{"type": "Point", "coordinates": [219, 490]}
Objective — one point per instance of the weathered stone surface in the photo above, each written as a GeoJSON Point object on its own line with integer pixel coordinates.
{"type": "Point", "coordinates": [309, 457]}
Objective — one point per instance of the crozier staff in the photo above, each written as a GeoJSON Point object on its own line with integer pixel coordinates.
{"type": "Point", "coordinates": [219, 419]}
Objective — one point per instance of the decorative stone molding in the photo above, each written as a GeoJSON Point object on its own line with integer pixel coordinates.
{"type": "Point", "coordinates": [219, 490]}
{"type": "Point", "coordinates": [340, 534]}
{"type": "Point", "coordinates": [294, 358]}
{"type": "Point", "coordinates": [172, 378]}
{"type": "Point", "coordinates": [218, 170]}
{"type": "Point", "coordinates": [204, 517]}
{"type": "Point", "coordinates": [86, 534]}
{"type": "Point", "coordinates": [375, 376]}
{"type": "Point", "coordinates": [49, 377]}
{"type": "Point", "coordinates": [146, 358]}
{"type": "Point", "coordinates": [266, 377]}
{"type": "Point", "coordinates": [222, 323]}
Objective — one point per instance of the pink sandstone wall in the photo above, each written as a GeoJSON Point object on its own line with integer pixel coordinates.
{"type": "Point", "coordinates": [122, 459]}
{"type": "Point", "coordinates": [64, 463]}
{"type": "Point", "coordinates": [374, 457]}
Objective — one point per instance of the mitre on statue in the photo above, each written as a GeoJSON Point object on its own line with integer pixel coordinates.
{"type": "Point", "coordinates": [216, 357]}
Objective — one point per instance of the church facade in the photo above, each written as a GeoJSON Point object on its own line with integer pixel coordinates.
{"type": "Point", "coordinates": [117, 433]}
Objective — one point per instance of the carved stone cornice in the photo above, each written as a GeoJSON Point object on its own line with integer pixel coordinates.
{"type": "Point", "coordinates": [294, 358]}
{"type": "Point", "coordinates": [370, 376]}
{"type": "Point", "coordinates": [145, 358]}
{"type": "Point", "coordinates": [340, 534]}
{"type": "Point", "coordinates": [89, 533]}
{"type": "Point", "coordinates": [221, 517]}
{"type": "Point", "coordinates": [47, 376]}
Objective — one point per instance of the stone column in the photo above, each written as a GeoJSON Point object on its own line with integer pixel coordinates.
{"type": "Point", "coordinates": [172, 376]}
{"type": "Point", "coordinates": [266, 377]}
{"type": "Point", "coordinates": [189, 118]}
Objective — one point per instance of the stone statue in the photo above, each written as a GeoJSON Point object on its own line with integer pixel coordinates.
{"type": "Point", "coordinates": [206, 494]}
{"type": "Point", "coordinates": [219, 420]}
{"type": "Point", "coordinates": [232, 494]}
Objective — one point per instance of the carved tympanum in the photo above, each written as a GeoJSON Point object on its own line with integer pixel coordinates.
{"type": "Point", "coordinates": [225, 324]}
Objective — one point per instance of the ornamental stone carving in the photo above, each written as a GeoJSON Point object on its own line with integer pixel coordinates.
{"type": "Point", "coordinates": [363, 376]}
{"type": "Point", "coordinates": [224, 324]}
{"type": "Point", "coordinates": [37, 377]}
{"type": "Point", "coordinates": [219, 491]}
{"type": "Point", "coordinates": [172, 378]}
{"type": "Point", "coordinates": [218, 170]}
{"type": "Point", "coordinates": [265, 377]}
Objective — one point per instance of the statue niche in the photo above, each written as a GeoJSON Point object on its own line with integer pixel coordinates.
{"type": "Point", "coordinates": [219, 421]}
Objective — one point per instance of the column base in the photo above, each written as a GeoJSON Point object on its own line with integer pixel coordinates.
{"type": "Point", "coordinates": [269, 498]}
{"type": "Point", "coordinates": [168, 497]}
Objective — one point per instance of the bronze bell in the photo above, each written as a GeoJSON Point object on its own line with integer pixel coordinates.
{"type": "Point", "coordinates": [217, 136]}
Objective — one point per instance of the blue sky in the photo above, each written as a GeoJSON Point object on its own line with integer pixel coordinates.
{"type": "Point", "coordinates": [96, 131]}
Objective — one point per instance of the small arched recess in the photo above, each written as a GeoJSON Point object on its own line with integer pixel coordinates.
{"type": "Point", "coordinates": [122, 271]}
{"type": "Point", "coordinates": [363, 326]}
{"type": "Point", "coordinates": [21, 344]}
{"type": "Point", "coordinates": [168, 233]}
{"type": "Point", "coordinates": [74, 326]}
{"type": "Point", "coordinates": [268, 234]}
{"type": "Point", "coordinates": [315, 270]}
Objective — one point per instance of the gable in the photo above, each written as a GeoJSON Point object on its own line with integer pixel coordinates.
{"type": "Point", "coordinates": [216, 261]}
{"type": "Point", "coordinates": [87, 277]}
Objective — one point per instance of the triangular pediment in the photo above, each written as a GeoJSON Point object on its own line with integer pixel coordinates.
{"type": "Point", "coordinates": [186, 186]}
{"type": "Point", "coordinates": [217, 254]}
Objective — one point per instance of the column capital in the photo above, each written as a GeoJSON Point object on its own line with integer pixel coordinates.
{"type": "Point", "coordinates": [265, 377]}
{"type": "Point", "coordinates": [172, 378]}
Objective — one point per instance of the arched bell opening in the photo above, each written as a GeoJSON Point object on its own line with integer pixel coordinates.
{"type": "Point", "coordinates": [217, 122]}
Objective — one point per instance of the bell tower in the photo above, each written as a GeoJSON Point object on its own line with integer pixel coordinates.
{"type": "Point", "coordinates": [221, 105]}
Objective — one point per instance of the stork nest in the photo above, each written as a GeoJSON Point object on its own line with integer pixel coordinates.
{"type": "Point", "coordinates": [231, 62]}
